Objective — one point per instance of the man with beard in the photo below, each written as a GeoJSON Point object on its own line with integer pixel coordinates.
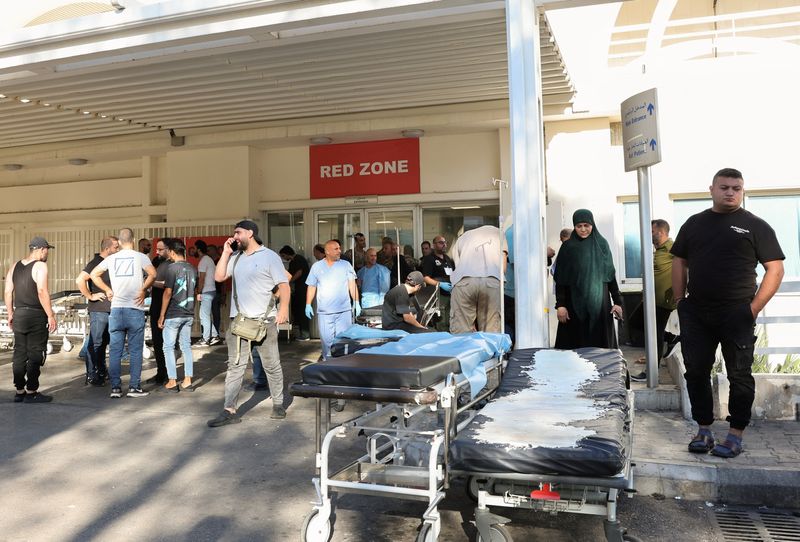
{"type": "Point", "coordinates": [31, 317]}
{"type": "Point", "coordinates": [256, 271]}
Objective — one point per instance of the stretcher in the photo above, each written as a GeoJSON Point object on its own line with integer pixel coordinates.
{"type": "Point", "coordinates": [556, 437]}
{"type": "Point", "coordinates": [358, 337]}
{"type": "Point", "coordinates": [424, 388]}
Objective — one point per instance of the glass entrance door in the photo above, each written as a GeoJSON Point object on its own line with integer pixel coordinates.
{"type": "Point", "coordinates": [341, 225]}
{"type": "Point", "coordinates": [395, 223]}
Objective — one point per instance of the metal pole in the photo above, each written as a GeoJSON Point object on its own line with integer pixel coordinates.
{"type": "Point", "coordinates": [648, 279]}
{"type": "Point", "coordinates": [397, 245]}
{"type": "Point", "coordinates": [501, 184]}
{"type": "Point", "coordinates": [530, 274]}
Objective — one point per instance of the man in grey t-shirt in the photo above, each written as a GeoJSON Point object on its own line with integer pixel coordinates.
{"type": "Point", "coordinates": [256, 271]}
{"type": "Point", "coordinates": [127, 270]}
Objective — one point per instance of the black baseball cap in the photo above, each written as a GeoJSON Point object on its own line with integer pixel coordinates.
{"type": "Point", "coordinates": [39, 242]}
{"type": "Point", "coordinates": [248, 224]}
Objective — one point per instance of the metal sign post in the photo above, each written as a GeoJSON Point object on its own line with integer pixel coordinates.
{"type": "Point", "coordinates": [642, 146]}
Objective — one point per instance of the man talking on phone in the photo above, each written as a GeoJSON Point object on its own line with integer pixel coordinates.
{"type": "Point", "coordinates": [256, 271]}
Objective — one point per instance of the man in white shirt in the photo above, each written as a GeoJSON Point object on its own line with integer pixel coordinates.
{"type": "Point", "coordinates": [205, 293]}
{"type": "Point", "coordinates": [126, 270]}
{"type": "Point", "coordinates": [475, 300]}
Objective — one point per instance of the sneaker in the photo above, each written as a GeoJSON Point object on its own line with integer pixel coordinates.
{"type": "Point", "coordinates": [116, 393]}
{"type": "Point", "coordinates": [36, 397]}
{"type": "Point", "coordinates": [137, 392]}
{"type": "Point", "coordinates": [224, 418]}
{"type": "Point", "coordinates": [278, 413]}
{"type": "Point", "coordinates": [641, 377]}
{"type": "Point", "coordinates": [201, 344]}
{"type": "Point", "coordinates": [214, 341]}
{"type": "Point", "coordinates": [19, 397]}
{"type": "Point", "coordinates": [304, 338]}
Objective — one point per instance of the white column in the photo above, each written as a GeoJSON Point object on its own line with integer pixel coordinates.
{"type": "Point", "coordinates": [527, 152]}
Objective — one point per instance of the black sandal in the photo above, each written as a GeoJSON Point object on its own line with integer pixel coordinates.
{"type": "Point", "coordinates": [701, 444]}
{"type": "Point", "coordinates": [728, 449]}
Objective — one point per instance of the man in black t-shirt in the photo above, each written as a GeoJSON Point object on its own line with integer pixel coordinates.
{"type": "Point", "coordinates": [161, 263]}
{"type": "Point", "coordinates": [717, 252]}
{"type": "Point", "coordinates": [298, 269]}
{"type": "Point", "coordinates": [397, 306]}
{"type": "Point", "coordinates": [177, 314]}
{"type": "Point", "coordinates": [437, 268]}
{"type": "Point", "coordinates": [99, 310]}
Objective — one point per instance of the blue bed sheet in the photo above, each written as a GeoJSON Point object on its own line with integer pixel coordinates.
{"type": "Point", "coordinates": [471, 349]}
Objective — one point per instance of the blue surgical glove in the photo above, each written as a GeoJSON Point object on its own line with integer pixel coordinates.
{"type": "Point", "coordinates": [445, 286]}
{"type": "Point", "coordinates": [357, 306]}
{"type": "Point", "coordinates": [309, 312]}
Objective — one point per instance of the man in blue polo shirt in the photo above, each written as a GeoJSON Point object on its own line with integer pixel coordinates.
{"type": "Point", "coordinates": [333, 281]}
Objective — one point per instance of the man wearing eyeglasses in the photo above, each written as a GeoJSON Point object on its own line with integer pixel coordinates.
{"type": "Point", "coordinates": [437, 268]}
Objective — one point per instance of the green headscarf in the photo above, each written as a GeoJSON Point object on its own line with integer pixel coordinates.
{"type": "Point", "coordinates": [585, 265]}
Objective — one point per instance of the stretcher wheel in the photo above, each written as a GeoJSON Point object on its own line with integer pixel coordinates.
{"type": "Point", "coordinates": [474, 483]}
{"type": "Point", "coordinates": [49, 348]}
{"type": "Point", "coordinates": [498, 534]}
{"type": "Point", "coordinates": [425, 533]}
{"type": "Point", "coordinates": [66, 345]}
{"type": "Point", "coordinates": [146, 352]}
{"type": "Point", "coordinates": [315, 529]}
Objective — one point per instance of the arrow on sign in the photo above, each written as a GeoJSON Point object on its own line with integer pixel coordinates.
{"type": "Point", "coordinates": [650, 108]}
{"type": "Point", "coordinates": [652, 144]}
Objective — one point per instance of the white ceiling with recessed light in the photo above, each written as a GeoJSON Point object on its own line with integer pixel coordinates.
{"type": "Point", "coordinates": [164, 66]}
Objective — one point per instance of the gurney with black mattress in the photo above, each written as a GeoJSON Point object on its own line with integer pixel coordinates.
{"type": "Point", "coordinates": [556, 437]}
{"type": "Point", "coordinates": [424, 388]}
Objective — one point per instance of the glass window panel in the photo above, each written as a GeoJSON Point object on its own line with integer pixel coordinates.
{"type": "Point", "coordinates": [386, 224]}
{"type": "Point", "coordinates": [451, 222]}
{"type": "Point", "coordinates": [286, 228]}
{"type": "Point", "coordinates": [632, 247]}
{"type": "Point", "coordinates": [783, 214]}
{"type": "Point", "coordinates": [341, 226]}
{"type": "Point", "coordinates": [682, 209]}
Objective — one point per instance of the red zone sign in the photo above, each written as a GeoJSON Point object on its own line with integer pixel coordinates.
{"type": "Point", "coordinates": [365, 169]}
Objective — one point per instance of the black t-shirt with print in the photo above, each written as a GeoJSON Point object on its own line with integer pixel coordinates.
{"type": "Point", "coordinates": [435, 267]}
{"type": "Point", "coordinates": [722, 251]}
{"type": "Point", "coordinates": [181, 277]}
{"type": "Point", "coordinates": [97, 306]}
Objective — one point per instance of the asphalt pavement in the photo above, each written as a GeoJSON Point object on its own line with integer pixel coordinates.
{"type": "Point", "coordinates": [87, 467]}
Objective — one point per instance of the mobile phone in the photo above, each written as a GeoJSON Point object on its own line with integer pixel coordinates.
{"type": "Point", "coordinates": [235, 246]}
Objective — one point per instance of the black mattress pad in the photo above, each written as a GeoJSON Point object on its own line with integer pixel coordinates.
{"type": "Point", "coordinates": [600, 455]}
{"type": "Point", "coordinates": [381, 371]}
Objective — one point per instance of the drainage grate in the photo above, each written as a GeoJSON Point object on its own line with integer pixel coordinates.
{"type": "Point", "coordinates": [757, 526]}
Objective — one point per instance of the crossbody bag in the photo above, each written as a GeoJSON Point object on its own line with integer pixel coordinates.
{"type": "Point", "coordinates": [245, 327]}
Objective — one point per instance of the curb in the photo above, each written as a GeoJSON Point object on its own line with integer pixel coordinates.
{"type": "Point", "coordinates": [763, 486]}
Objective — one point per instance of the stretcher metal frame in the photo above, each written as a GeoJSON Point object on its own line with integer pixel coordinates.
{"type": "Point", "coordinates": [372, 316]}
{"type": "Point", "coordinates": [72, 322]}
{"type": "Point", "coordinates": [381, 471]}
{"type": "Point", "coordinates": [553, 493]}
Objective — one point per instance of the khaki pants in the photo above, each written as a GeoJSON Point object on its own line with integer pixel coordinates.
{"type": "Point", "coordinates": [475, 305]}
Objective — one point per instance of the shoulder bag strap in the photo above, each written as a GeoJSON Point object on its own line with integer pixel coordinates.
{"type": "Point", "coordinates": [233, 279]}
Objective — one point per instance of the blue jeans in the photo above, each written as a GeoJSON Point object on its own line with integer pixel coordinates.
{"type": "Point", "coordinates": [330, 325]}
{"type": "Point", "coordinates": [179, 329]}
{"type": "Point", "coordinates": [122, 323]}
{"type": "Point", "coordinates": [259, 376]}
{"type": "Point", "coordinates": [98, 340]}
{"type": "Point", "coordinates": [205, 315]}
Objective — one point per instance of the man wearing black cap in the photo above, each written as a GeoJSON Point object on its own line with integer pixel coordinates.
{"type": "Point", "coordinates": [397, 305]}
{"type": "Point", "coordinates": [31, 316]}
{"type": "Point", "coordinates": [256, 271]}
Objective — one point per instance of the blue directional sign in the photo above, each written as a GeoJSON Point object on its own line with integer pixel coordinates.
{"type": "Point", "coordinates": [641, 141]}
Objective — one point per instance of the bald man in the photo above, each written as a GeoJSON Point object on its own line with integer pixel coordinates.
{"type": "Point", "coordinates": [333, 282]}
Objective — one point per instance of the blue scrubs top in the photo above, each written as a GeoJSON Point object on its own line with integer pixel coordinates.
{"type": "Point", "coordinates": [333, 295]}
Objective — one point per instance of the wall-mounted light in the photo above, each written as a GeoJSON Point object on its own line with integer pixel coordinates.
{"type": "Point", "coordinates": [176, 140]}
{"type": "Point", "coordinates": [78, 161]}
{"type": "Point", "coordinates": [12, 167]}
{"type": "Point", "coordinates": [413, 132]}
{"type": "Point", "coordinates": [320, 140]}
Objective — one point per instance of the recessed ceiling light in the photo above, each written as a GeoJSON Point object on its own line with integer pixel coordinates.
{"type": "Point", "coordinates": [413, 133]}
{"type": "Point", "coordinates": [12, 167]}
{"type": "Point", "coordinates": [86, 112]}
{"type": "Point", "coordinates": [103, 116]}
{"type": "Point", "coordinates": [46, 104]}
{"type": "Point", "coordinates": [320, 140]}
{"type": "Point", "coordinates": [25, 100]}
{"type": "Point", "coordinates": [78, 161]}
{"type": "Point", "coordinates": [384, 222]}
{"type": "Point", "coordinates": [466, 207]}
{"type": "Point", "coordinates": [3, 96]}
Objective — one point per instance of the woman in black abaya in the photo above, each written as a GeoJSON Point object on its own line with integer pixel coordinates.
{"type": "Point", "coordinates": [587, 294]}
